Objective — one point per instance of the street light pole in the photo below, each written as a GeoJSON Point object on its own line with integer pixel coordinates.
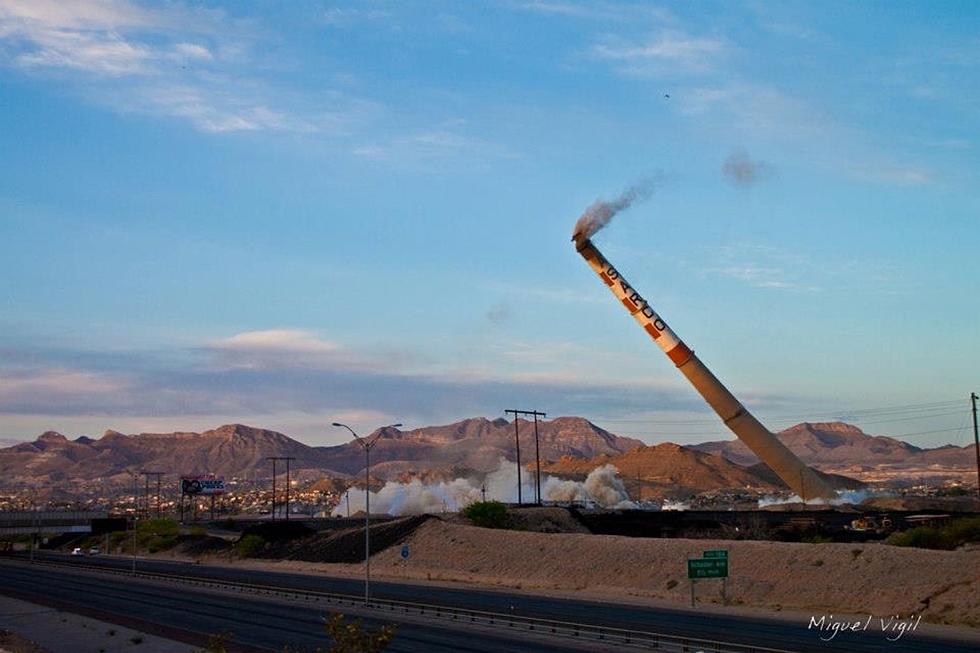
{"type": "Point", "coordinates": [367, 501]}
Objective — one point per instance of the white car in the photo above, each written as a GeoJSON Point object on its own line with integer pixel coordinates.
{"type": "Point", "coordinates": [77, 551]}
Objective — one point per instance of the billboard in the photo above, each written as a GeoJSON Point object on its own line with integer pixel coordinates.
{"type": "Point", "coordinates": [207, 485]}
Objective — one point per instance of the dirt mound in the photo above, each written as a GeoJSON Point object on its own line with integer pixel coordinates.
{"type": "Point", "coordinates": [943, 504]}
{"type": "Point", "coordinates": [346, 545]}
{"type": "Point", "coordinates": [10, 641]}
{"type": "Point", "coordinates": [847, 578]}
{"type": "Point", "coordinates": [545, 520]}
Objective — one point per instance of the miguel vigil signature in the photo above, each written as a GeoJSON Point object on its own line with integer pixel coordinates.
{"type": "Point", "coordinates": [893, 627]}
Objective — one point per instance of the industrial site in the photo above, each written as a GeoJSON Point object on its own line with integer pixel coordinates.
{"type": "Point", "coordinates": [489, 327]}
{"type": "Point", "coordinates": [601, 517]}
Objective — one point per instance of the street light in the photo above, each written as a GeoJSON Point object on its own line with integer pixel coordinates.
{"type": "Point", "coordinates": [367, 501]}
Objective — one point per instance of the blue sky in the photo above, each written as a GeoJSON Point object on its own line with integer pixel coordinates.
{"type": "Point", "coordinates": [289, 214]}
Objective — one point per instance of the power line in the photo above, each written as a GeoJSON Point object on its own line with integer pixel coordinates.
{"type": "Point", "coordinates": [925, 409]}
{"type": "Point", "coordinates": [707, 434]}
{"type": "Point", "coordinates": [919, 433]}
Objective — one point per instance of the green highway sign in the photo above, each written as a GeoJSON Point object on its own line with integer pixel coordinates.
{"type": "Point", "coordinates": [716, 553]}
{"type": "Point", "coordinates": [707, 568]}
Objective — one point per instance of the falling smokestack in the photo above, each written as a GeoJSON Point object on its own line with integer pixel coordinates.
{"type": "Point", "coordinates": [803, 480]}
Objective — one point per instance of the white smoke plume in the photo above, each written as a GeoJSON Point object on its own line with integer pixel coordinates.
{"type": "Point", "coordinates": [853, 497]}
{"type": "Point", "coordinates": [601, 487]}
{"type": "Point", "coordinates": [600, 213]}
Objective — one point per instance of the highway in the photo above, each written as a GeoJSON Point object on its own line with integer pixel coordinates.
{"type": "Point", "coordinates": [778, 634]}
{"type": "Point", "coordinates": [257, 625]}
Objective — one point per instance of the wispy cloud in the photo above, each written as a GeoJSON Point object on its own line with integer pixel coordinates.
{"type": "Point", "coordinates": [891, 173]}
{"type": "Point", "coordinates": [770, 116]}
{"type": "Point", "coordinates": [162, 60]}
{"type": "Point", "coordinates": [548, 293]}
{"type": "Point", "coordinates": [279, 349]}
{"type": "Point", "coordinates": [348, 16]}
{"type": "Point", "coordinates": [670, 52]}
{"type": "Point", "coordinates": [57, 382]}
{"type": "Point", "coordinates": [433, 146]}
{"type": "Point", "coordinates": [596, 10]}
{"type": "Point", "coordinates": [292, 341]}
{"type": "Point", "coordinates": [760, 277]}
{"type": "Point", "coordinates": [781, 269]}
{"type": "Point", "coordinates": [763, 267]}
{"type": "Point", "coordinates": [268, 377]}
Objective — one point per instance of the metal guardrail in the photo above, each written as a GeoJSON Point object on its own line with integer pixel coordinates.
{"type": "Point", "coordinates": [610, 635]}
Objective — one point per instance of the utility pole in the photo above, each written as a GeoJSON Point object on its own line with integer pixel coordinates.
{"type": "Point", "coordinates": [517, 446]}
{"type": "Point", "coordinates": [537, 453]}
{"type": "Point", "coordinates": [274, 459]}
{"type": "Point", "coordinates": [976, 437]}
{"type": "Point", "coordinates": [347, 494]}
{"type": "Point", "coordinates": [483, 492]}
{"type": "Point", "coordinates": [537, 458]}
{"type": "Point", "coordinates": [148, 474]}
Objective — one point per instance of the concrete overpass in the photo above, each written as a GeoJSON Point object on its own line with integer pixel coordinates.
{"type": "Point", "coordinates": [51, 522]}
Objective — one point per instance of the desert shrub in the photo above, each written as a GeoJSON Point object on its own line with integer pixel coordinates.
{"type": "Point", "coordinates": [962, 531]}
{"type": "Point", "coordinates": [351, 637]}
{"type": "Point", "coordinates": [162, 527]}
{"type": "Point", "coordinates": [159, 543]}
{"type": "Point", "coordinates": [249, 546]}
{"type": "Point", "coordinates": [955, 491]}
{"type": "Point", "coordinates": [817, 538]}
{"type": "Point", "coordinates": [955, 534]}
{"type": "Point", "coordinates": [217, 643]}
{"type": "Point", "coordinates": [155, 535]}
{"type": "Point", "coordinates": [488, 514]}
{"type": "Point", "coordinates": [117, 539]}
{"type": "Point", "coordinates": [924, 537]}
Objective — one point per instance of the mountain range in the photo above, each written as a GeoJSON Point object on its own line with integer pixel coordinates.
{"type": "Point", "coordinates": [837, 445]}
{"type": "Point", "coordinates": [236, 450]}
{"type": "Point", "coordinates": [569, 446]}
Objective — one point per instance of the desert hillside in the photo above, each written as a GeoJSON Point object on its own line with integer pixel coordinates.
{"type": "Point", "coordinates": [844, 578]}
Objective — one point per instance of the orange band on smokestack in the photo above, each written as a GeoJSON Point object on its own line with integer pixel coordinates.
{"type": "Point", "coordinates": [680, 354]}
{"type": "Point", "coordinates": [652, 330]}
